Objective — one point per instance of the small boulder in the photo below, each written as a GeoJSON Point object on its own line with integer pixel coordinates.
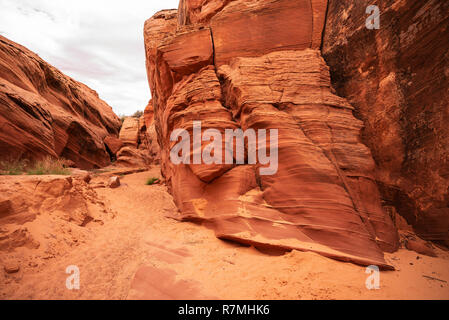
{"type": "Point", "coordinates": [114, 182]}
{"type": "Point", "coordinates": [11, 268]}
{"type": "Point", "coordinates": [87, 178]}
{"type": "Point", "coordinates": [420, 247]}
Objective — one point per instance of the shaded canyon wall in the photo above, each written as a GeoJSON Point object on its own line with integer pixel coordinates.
{"type": "Point", "coordinates": [397, 79]}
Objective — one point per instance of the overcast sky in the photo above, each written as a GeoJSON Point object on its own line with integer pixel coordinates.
{"type": "Point", "coordinates": [97, 42]}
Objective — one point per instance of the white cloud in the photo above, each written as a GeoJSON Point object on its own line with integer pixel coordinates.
{"type": "Point", "coordinates": [97, 42]}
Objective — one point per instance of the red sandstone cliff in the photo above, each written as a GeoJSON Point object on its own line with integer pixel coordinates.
{"type": "Point", "coordinates": [397, 79]}
{"type": "Point", "coordinates": [139, 146]}
{"type": "Point", "coordinates": [45, 113]}
{"type": "Point", "coordinates": [255, 64]}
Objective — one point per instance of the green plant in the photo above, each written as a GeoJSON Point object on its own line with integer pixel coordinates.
{"type": "Point", "coordinates": [152, 181]}
{"type": "Point", "coordinates": [137, 114]}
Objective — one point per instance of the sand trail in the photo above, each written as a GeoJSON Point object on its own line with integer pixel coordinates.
{"type": "Point", "coordinates": [140, 253]}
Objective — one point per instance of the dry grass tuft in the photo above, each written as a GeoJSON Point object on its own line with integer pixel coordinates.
{"type": "Point", "coordinates": [46, 166]}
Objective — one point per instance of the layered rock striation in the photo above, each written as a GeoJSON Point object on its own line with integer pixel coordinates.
{"type": "Point", "coordinates": [397, 79]}
{"type": "Point", "coordinates": [138, 141]}
{"type": "Point", "coordinates": [45, 113]}
{"type": "Point", "coordinates": [256, 65]}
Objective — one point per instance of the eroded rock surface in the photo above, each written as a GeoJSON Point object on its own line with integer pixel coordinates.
{"type": "Point", "coordinates": [36, 204]}
{"type": "Point", "coordinates": [45, 113]}
{"type": "Point", "coordinates": [129, 133]}
{"type": "Point", "coordinates": [323, 197]}
{"type": "Point", "coordinates": [150, 134]}
{"type": "Point", "coordinates": [397, 79]}
{"type": "Point", "coordinates": [139, 145]}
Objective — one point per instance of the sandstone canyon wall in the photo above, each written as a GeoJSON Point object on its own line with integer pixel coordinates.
{"type": "Point", "coordinates": [257, 65]}
{"type": "Point", "coordinates": [138, 141]}
{"type": "Point", "coordinates": [45, 113]}
{"type": "Point", "coordinates": [397, 79]}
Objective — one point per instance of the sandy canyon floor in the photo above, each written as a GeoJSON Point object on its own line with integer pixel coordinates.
{"type": "Point", "coordinates": [136, 252]}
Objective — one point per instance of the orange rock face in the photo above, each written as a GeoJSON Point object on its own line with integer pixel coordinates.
{"type": "Point", "coordinates": [129, 134]}
{"type": "Point", "coordinates": [138, 139]}
{"type": "Point", "coordinates": [199, 11]}
{"type": "Point", "coordinates": [323, 197]}
{"type": "Point", "coordinates": [113, 144]}
{"type": "Point", "coordinates": [45, 113]}
{"type": "Point", "coordinates": [150, 136]}
{"type": "Point", "coordinates": [274, 25]}
{"type": "Point", "coordinates": [397, 78]}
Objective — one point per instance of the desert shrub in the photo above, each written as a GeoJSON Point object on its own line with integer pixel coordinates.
{"type": "Point", "coordinates": [48, 166]}
{"type": "Point", "coordinates": [137, 114]}
{"type": "Point", "coordinates": [151, 181]}
{"type": "Point", "coordinates": [13, 168]}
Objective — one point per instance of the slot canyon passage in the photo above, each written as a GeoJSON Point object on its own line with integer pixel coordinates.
{"type": "Point", "coordinates": [362, 174]}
